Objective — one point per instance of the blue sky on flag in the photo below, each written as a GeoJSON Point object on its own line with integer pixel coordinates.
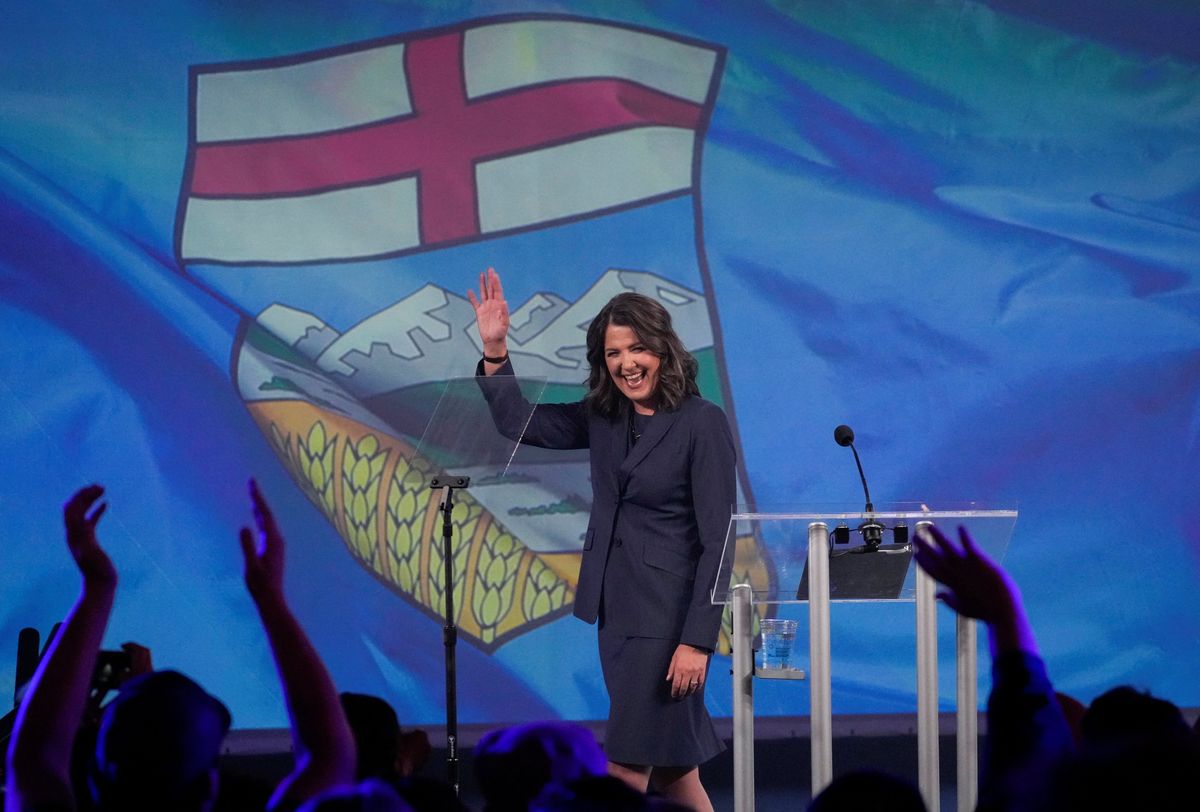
{"type": "Point", "coordinates": [968, 229]}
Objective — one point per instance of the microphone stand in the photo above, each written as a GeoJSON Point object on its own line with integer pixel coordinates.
{"type": "Point", "coordinates": [449, 484]}
{"type": "Point", "coordinates": [872, 531]}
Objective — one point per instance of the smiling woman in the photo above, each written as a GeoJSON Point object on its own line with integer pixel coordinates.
{"type": "Point", "coordinates": [633, 367]}
{"type": "Point", "coordinates": [637, 358]}
{"type": "Point", "coordinates": [663, 486]}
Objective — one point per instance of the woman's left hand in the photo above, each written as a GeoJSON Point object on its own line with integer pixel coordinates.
{"type": "Point", "coordinates": [687, 671]}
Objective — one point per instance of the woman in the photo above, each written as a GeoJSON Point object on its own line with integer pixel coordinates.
{"type": "Point", "coordinates": [663, 486]}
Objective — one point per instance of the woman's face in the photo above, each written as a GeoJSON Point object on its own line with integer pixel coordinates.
{"type": "Point", "coordinates": [632, 366]}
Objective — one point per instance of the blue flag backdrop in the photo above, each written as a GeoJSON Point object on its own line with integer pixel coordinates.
{"type": "Point", "coordinates": [235, 242]}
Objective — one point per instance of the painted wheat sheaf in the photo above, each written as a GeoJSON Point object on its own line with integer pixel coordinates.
{"type": "Point", "coordinates": [373, 488]}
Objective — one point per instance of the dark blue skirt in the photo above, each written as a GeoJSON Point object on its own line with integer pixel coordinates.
{"type": "Point", "coordinates": [645, 725]}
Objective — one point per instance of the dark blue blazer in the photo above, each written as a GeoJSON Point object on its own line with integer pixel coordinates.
{"type": "Point", "coordinates": [660, 508]}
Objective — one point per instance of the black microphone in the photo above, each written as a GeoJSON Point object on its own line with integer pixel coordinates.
{"type": "Point", "coordinates": [872, 531]}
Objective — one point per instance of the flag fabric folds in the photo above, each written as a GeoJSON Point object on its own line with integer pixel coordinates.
{"type": "Point", "coordinates": [426, 140]}
{"type": "Point", "coordinates": [235, 240]}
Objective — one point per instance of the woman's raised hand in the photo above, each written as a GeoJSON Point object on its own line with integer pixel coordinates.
{"type": "Point", "coordinates": [491, 314]}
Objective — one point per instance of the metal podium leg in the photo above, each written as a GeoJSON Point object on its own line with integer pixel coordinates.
{"type": "Point", "coordinates": [927, 691]}
{"type": "Point", "coordinates": [820, 694]}
{"type": "Point", "coordinates": [743, 700]}
{"type": "Point", "coordinates": [967, 729]}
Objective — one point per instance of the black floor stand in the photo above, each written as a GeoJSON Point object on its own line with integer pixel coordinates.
{"type": "Point", "coordinates": [447, 485]}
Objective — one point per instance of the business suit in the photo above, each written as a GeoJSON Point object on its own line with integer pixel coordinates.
{"type": "Point", "coordinates": [660, 512]}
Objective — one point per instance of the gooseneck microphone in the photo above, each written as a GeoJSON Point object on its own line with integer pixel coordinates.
{"type": "Point", "coordinates": [844, 435]}
{"type": "Point", "coordinates": [872, 531]}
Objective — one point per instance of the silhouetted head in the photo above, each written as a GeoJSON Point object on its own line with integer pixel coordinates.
{"type": "Point", "coordinates": [868, 791]}
{"type": "Point", "coordinates": [372, 795]}
{"type": "Point", "coordinates": [385, 749]}
{"type": "Point", "coordinates": [376, 732]}
{"type": "Point", "coordinates": [1125, 717]}
{"type": "Point", "coordinates": [1136, 752]}
{"type": "Point", "coordinates": [158, 745]}
{"type": "Point", "coordinates": [514, 765]}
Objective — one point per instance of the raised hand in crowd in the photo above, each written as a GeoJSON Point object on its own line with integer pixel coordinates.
{"type": "Point", "coordinates": [976, 587]}
{"type": "Point", "coordinates": [321, 739]}
{"type": "Point", "coordinates": [39, 753]}
{"type": "Point", "coordinates": [81, 514]}
{"type": "Point", "coordinates": [1028, 734]}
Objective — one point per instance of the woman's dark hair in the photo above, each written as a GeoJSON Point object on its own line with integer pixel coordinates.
{"type": "Point", "coordinates": [652, 324]}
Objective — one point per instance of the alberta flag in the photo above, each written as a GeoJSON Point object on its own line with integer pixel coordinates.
{"type": "Point", "coordinates": [327, 196]}
{"type": "Point", "coordinates": [392, 146]}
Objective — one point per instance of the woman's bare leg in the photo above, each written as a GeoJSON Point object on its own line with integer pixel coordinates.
{"type": "Point", "coordinates": [682, 786]}
{"type": "Point", "coordinates": [635, 775]}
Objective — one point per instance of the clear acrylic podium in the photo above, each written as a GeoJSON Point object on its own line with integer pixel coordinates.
{"type": "Point", "coordinates": [822, 556]}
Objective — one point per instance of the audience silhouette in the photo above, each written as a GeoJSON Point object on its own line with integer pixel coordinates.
{"type": "Point", "coordinates": [160, 738]}
{"type": "Point", "coordinates": [385, 749]}
{"type": "Point", "coordinates": [515, 765]}
{"type": "Point", "coordinates": [1132, 751]}
{"type": "Point", "coordinates": [156, 745]}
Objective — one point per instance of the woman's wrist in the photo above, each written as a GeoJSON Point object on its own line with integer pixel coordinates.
{"type": "Point", "coordinates": [496, 352]}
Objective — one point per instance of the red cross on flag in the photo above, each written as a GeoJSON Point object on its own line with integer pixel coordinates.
{"type": "Point", "coordinates": [396, 146]}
